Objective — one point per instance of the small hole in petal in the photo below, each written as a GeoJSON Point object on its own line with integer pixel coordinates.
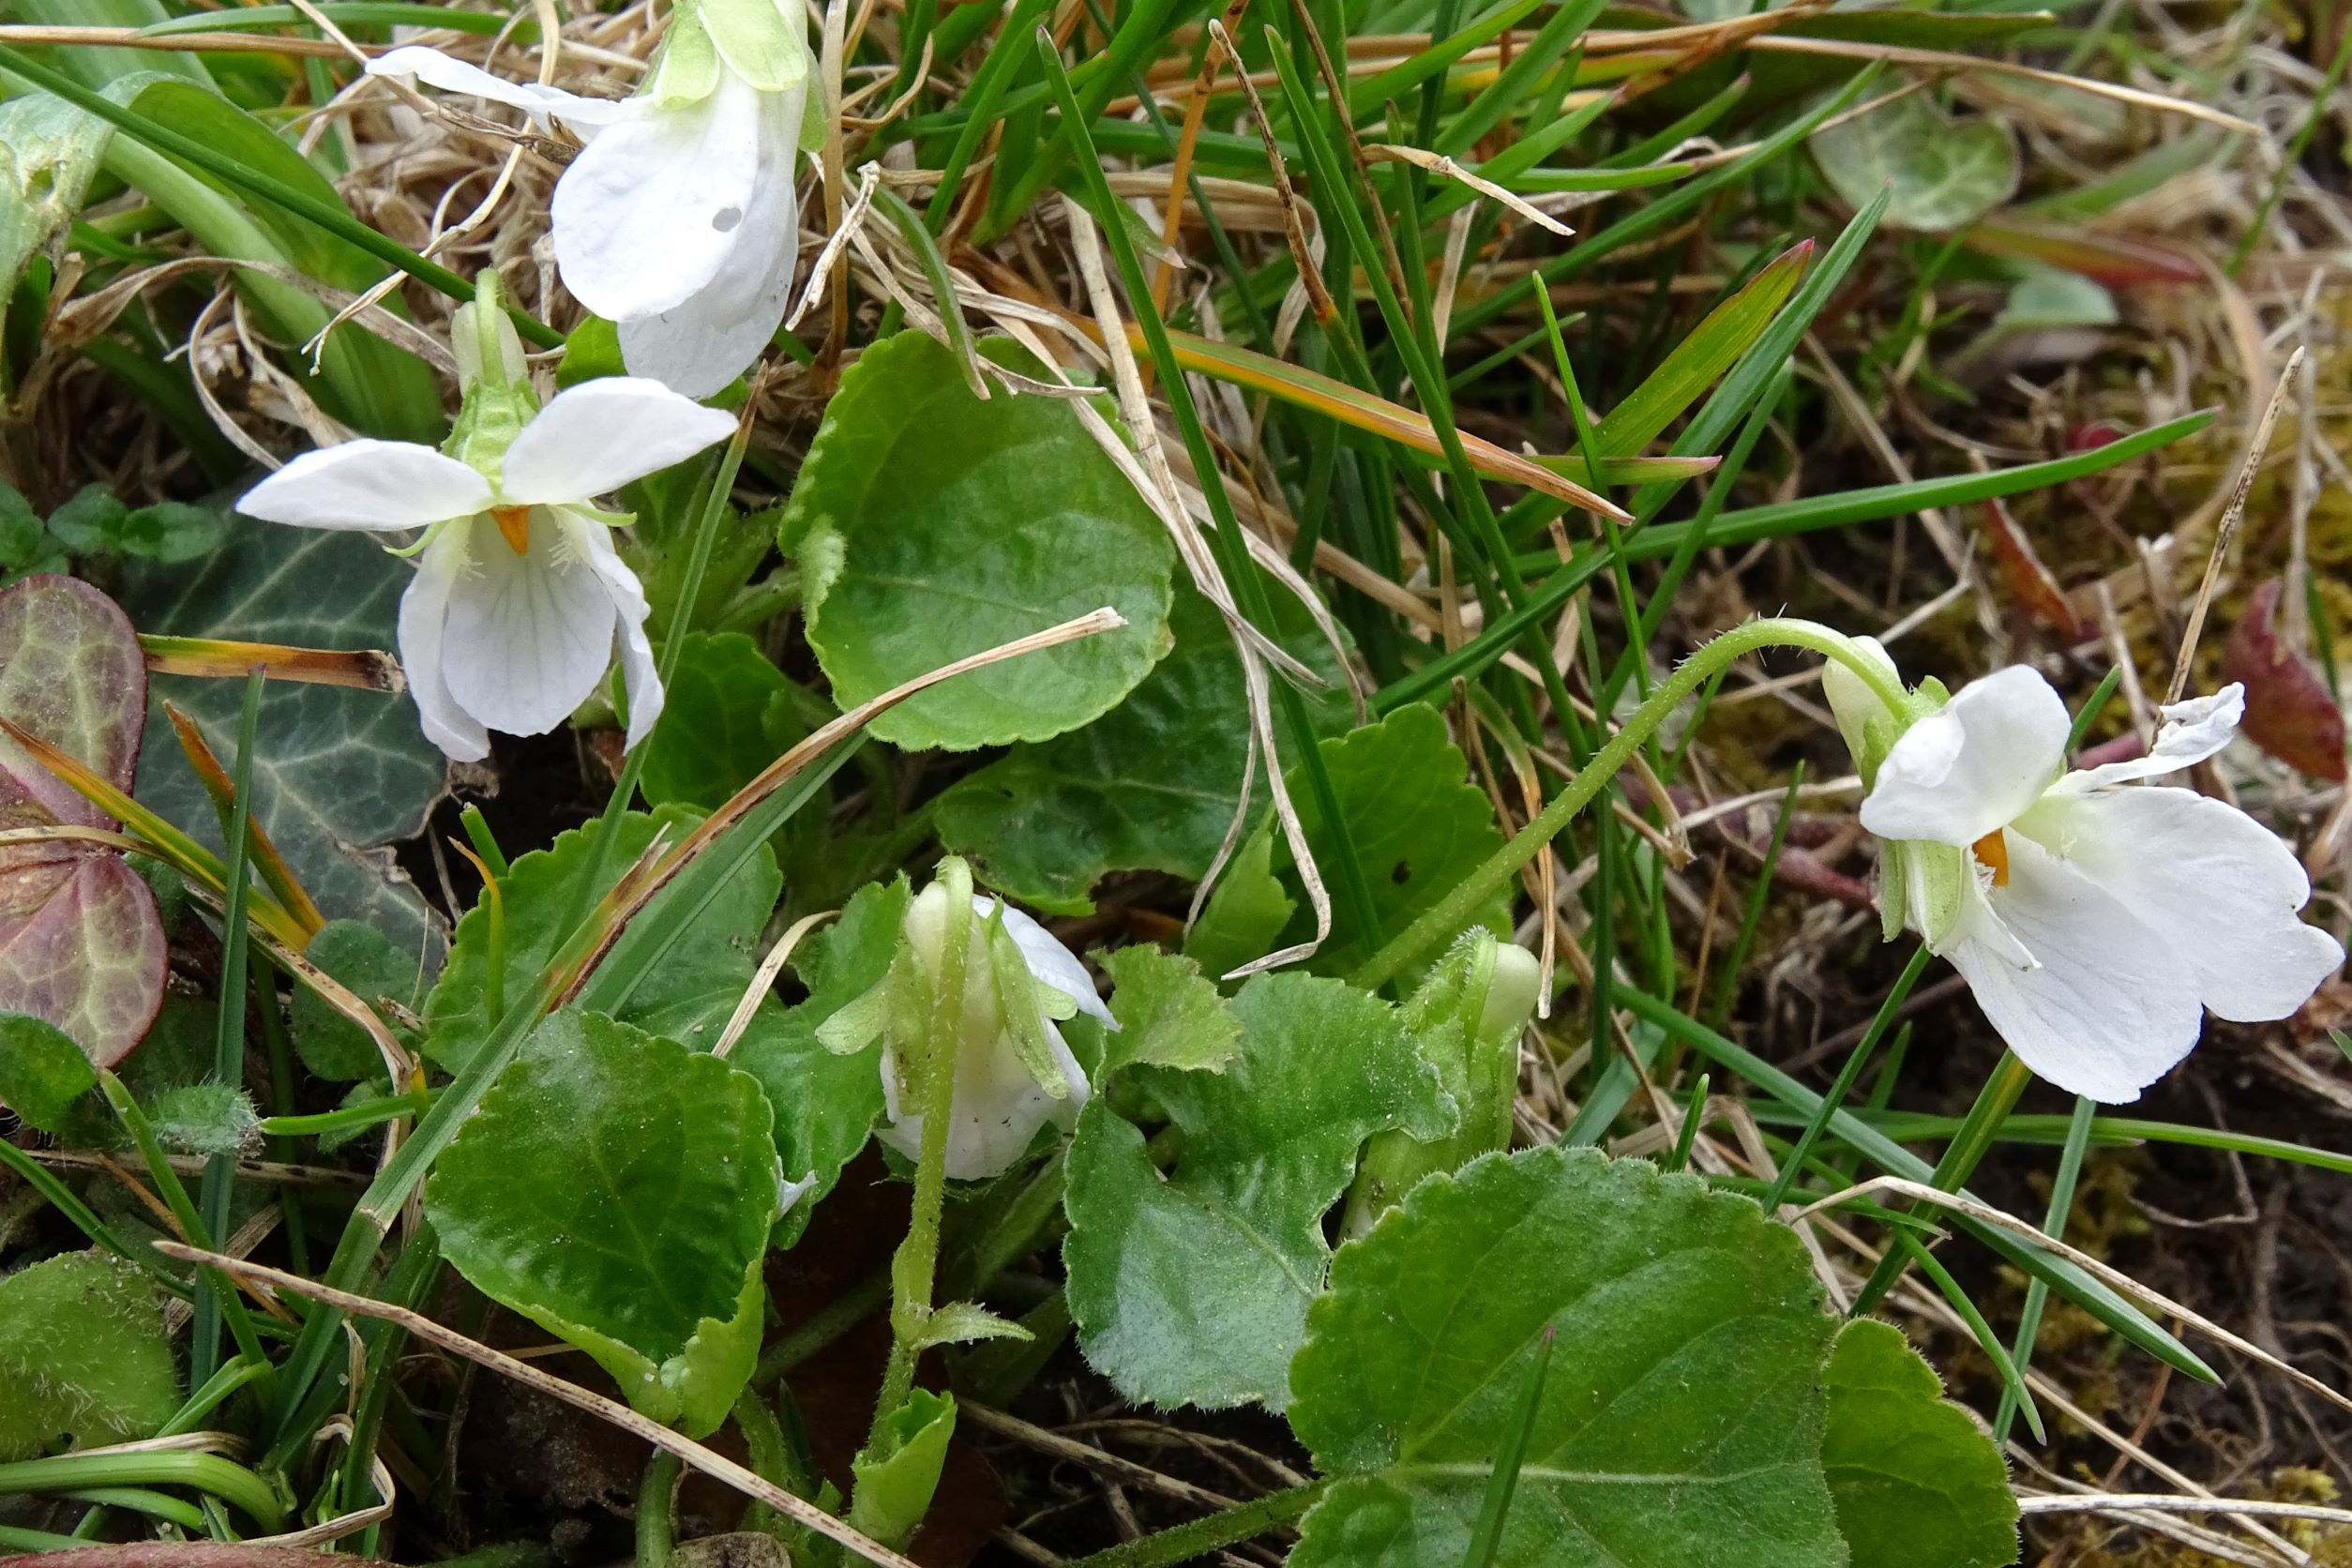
{"type": "Point", "coordinates": [725, 219]}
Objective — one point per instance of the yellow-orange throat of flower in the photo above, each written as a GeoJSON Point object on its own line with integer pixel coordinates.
{"type": "Point", "coordinates": [1993, 849]}
{"type": "Point", "coordinates": [514, 526]}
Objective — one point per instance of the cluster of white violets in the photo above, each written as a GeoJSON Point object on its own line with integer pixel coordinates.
{"type": "Point", "coordinates": [2095, 917]}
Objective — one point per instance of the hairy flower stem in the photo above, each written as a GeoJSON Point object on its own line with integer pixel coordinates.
{"type": "Point", "coordinates": [915, 1264]}
{"type": "Point", "coordinates": [1456, 909]}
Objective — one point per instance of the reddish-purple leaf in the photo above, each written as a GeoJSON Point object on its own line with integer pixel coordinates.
{"type": "Point", "coordinates": [81, 948]}
{"type": "Point", "coordinates": [2290, 713]}
{"type": "Point", "coordinates": [82, 945]}
{"type": "Point", "coordinates": [71, 672]}
{"type": "Point", "coordinates": [2029, 581]}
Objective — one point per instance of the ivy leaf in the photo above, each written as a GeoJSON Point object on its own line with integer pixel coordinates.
{"type": "Point", "coordinates": [371, 969]}
{"type": "Point", "coordinates": [42, 1072]}
{"type": "Point", "coordinates": [1169, 1014]}
{"type": "Point", "coordinates": [1192, 1288]}
{"type": "Point", "coordinates": [1151, 786]}
{"type": "Point", "coordinates": [82, 1351]}
{"type": "Point", "coordinates": [82, 945]}
{"type": "Point", "coordinates": [1682, 1420]}
{"type": "Point", "coordinates": [1917, 1486]}
{"type": "Point", "coordinates": [689, 998]}
{"type": "Point", "coordinates": [931, 525]}
{"type": "Point", "coordinates": [1946, 173]}
{"type": "Point", "coordinates": [1417, 823]}
{"type": "Point", "coordinates": [339, 775]}
{"type": "Point", "coordinates": [719, 722]}
{"type": "Point", "coordinates": [825, 1105]}
{"type": "Point", "coordinates": [616, 1188]}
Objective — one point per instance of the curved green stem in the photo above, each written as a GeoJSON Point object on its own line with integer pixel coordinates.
{"type": "Point", "coordinates": [205, 1472]}
{"type": "Point", "coordinates": [1455, 910]}
{"type": "Point", "coordinates": [915, 1266]}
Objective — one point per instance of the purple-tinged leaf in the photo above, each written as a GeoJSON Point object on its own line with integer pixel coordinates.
{"type": "Point", "coordinates": [81, 945]}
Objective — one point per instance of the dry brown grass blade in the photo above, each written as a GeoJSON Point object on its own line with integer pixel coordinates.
{"type": "Point", "coordinates": [630, 897]}
{"type": "Point", "coordinates": [2106, 1273]}
{"type": "Point", "coordinates": [359, 669]}
{"type": "Point", "coordinates": [717, 1466]}
{"type": "Point", "coordinates": [2258, 448]}
{"type": "Point", "coordinates": [1935, 58]}
{"type": "Point", "coordinates": [222, 43]}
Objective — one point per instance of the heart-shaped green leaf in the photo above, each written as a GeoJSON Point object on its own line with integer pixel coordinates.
{"type": "Point", "coordinates": [1151, 786]}
{"type": "Point", "coordinates": [1917, 1484]}
{"type": "Point", "coordinates": [931, 525]}
{"type": "Point", "coordinates": [827, 1103]}
{"type": "Point", "coordinates": [1193, 1287]}
{"type": "Point", "coordinates": [617, 1189]}
{"type": "Point", "coordinates": [1946, 173]}
{"type": "Point", "coordinates": [689, 997]}
{"type": "Point", "coordinates": [1415, 821]}
{"type": "Point", "coordinates": [1680, 1421]}
{"type": "Point", "coordinates": [1170, 1014]}
{"type": "Point", "coordinates": [718, 723]}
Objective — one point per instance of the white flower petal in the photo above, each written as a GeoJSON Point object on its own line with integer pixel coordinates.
{"type": "Point", "coordinates": [2217, 884]}
{"type": "Point", "coordinates": [528, 636]}
{"type": "Point", "coordinates": [1975, 764]}
{"type": "Point", "coordinates": [594, 438]}
{"type": "Point", "coordinates": [649, 213]}
{"type": "Point", "coordinates": [2110, 1009]}
{"type": "Point", "coordinates": [436, 69]}
{"type": "Point", "coordinates": [1854, 703]}
{"type": "Point", "coordinates": [629, 610]}
{"type": "Point", "coordinates": [368, 484]}
{"type": "Point", "coordinates": [1049, 960]}
{"type": "Point", "coordinates": [997, 1111]}
{"type": "Point", "coordinates": [704, 341]}
{"type": "Point", "coordinates": [2192, 731]}
{"type": "Point", "coordinates": [424, 611]}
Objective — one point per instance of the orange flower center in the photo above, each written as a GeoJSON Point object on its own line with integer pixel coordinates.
{"type": "Point", "coordinates": [514, 526]}
{"type": "Point", "coordinates": [1993, 849]}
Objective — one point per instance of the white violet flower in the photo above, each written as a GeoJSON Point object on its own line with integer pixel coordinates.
{"type": "Point", "coordinates": [1014, 1073]}
{"type": "Point", "coordinates": [520, 598]}
{"type": "Point", "coordinates": [2096, 919]}
{"type": "Point", "coordinates": [678, 221]}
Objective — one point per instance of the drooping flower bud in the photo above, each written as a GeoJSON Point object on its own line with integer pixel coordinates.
{"type": "Point", "coordinates": [1467, 1017]}
{"type": "Point", "coordinates": [1013, 1071]}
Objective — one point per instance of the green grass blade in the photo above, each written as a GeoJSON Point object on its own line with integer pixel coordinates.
{"type": "Point", "coordinates": [2071, 1282]}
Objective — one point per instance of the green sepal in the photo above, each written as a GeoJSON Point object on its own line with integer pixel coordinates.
{"type": "Point", "coordinates": [759, 40]}
{"type": "Point", "coordinates": [493, 378]}
{"type": "Point", "coordinates": [860, 1022]}
{"type": "Point", "coordinates": [1025, 1005]}
{"type": "Point", "coordinates": [686, 69]}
